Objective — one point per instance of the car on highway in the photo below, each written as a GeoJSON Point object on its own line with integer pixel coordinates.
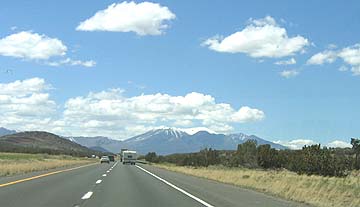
{"type": "Point", "coordinates": [104, 159]}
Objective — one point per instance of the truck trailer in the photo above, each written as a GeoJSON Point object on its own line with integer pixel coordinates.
{"type": "Point", "coordinates": [129, 157]}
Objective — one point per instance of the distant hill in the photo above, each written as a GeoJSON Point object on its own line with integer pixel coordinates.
{"type": "Point", "coordinates": [4, 131]}
{"type": "Point", "coordinates": [42, 142]}
{"type": "Point", "coordinates": [100, 149]}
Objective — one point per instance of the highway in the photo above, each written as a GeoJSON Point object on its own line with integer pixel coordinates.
{"type": "Point", "coordinates": [118, 185]}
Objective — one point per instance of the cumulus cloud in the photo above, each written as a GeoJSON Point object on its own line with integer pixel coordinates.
{"type": "Point", "coordinates": [33, 46]}
{"type": "Point", "coordinates": [350, 55]}
{"type": "Point", "coordinates": [247, 114]}
{"type": "Point", "coordinates": [322, 57]}
{"type": "Point", "coordinates": [340, 144]}
{"type": "Point", "coordinates": [144, 18]}
{"type": "Point", "coordinates": [291, 61]}
{"type": "Point", "coordinates": [260, 38]}
{"type": "Point", "coordinates": [299, 143]}
{"type": "Point", "coordinates": [289, 73]}
{"type": "Point", "coordinates": [25, 104]}
{"type": "Point", "coordinates": [28, 45]}
{"type": "Point", "coordinates": [296, 143]}
{"type": "Point", "coordinates": [112, 110]}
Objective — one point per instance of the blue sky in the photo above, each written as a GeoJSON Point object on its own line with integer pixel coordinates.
{"type": "Point", "coordinates": [315, 101]}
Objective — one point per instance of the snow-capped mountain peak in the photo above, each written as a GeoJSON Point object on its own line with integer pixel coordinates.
{"type": "Point", "coordinates": [239, 136]}
{"type": "Point", "coordinates": [169, 132]}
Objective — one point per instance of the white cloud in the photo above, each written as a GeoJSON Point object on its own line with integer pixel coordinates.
{"type": "Point", "coordinates": [299, 143]}
{"type": "Point", "coordinates": [322, 57]}
{"type": "Point", "coordinates": [350, 55]}
{"type": "Point", "coordinates": [144, 18]}
{"type": "Point", "coordinates": [260, 38]}
{"type": "Point", "coordinates": [291, 61]}
{"type": "Point", "coordinates": [33, 46]}
{"type": "Point", "coordinates": [289, 73]}
{"type": "Point", "coordinates": [340, 144]}
{"type": "Point", "coordinates": [25, 104]}
{"type": "Point", "coordinates": [69, 61]}
{"type": "Point", "coordinates": [25, 87]}
{"type": "Point", "coordinates": [194, 130]}
{"type": "Point", "coordinates": [28, 45]}
{"type": "Point", "coordinates": [296, 143]}
{"type": "Point", "coordinates": [247, 114]}
{"type": "Point", "coordinates": [111, 110]}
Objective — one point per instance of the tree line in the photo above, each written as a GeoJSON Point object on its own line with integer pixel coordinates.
{"type": "Point", "coordinates": [310, 160]}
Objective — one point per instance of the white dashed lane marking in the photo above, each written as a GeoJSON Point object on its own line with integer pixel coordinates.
{"type": "Point", "coordinates": [87, 195]}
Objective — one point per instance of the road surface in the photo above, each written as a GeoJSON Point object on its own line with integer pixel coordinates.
{"type": "Point", "coordinates": [117, 185]}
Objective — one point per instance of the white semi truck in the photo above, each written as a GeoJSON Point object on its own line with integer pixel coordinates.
{"type": "Point", "coordinates": [129, 157]}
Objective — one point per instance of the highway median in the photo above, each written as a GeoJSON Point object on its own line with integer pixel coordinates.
{"type": "Point", "coordinates": [21, 163]}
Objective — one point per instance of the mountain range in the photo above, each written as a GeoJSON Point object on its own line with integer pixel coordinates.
{"type": "Point", "coordinates": [168, 141]}
{"type": "Point", "coordinates": [162, 141]}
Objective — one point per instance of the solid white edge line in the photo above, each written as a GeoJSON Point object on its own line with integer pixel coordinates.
{"type": "Point", "coordinates": [177, 188]}
{"type": "Point", "coordinates": [98, 181]}
{"type": "Point", "coordinates": [87, 195]}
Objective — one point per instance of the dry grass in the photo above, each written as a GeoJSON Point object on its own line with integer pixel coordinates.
{"type": "Point", "coordinates": [19, 163]}
{"type": "Point", "coordinates": [315, 190]}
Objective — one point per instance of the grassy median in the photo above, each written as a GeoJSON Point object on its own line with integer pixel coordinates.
{"type": "Point", "coordinates": [315, 190]}
{"type": "Point", "coordinates": [20, 163]}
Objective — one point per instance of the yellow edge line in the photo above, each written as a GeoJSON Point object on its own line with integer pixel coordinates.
{"type": "Point", "coordinates": [43, 175]}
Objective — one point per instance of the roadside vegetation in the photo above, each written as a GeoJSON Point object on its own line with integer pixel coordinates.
{"type": "Point", "coordinates": [20, 163]}
{"type": "Point", "coordinates": [314, 190]}
{"type": "Point", "coordinates": [314, 175]}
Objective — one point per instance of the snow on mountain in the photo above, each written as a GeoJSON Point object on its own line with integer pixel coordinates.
{"type": "Point", "coordinates": [173, 140]}
{"type": "Point", "coordinates": [168, 132]}
{"type": "Point", "coordinates": [170, 140]}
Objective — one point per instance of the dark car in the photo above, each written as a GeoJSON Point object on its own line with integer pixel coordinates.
{"type": "Point", "coordinates": [111, 158]}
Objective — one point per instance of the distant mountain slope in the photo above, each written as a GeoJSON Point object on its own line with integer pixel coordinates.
{"type": "Point", "coordinates": [105, 143]}
{"type": "Point", "coordinates": [168, 141]}
{"type": "Point", "coordinates": [243, 138]}
{"type": "Point", "coordinates": [100, 149]}
{"type": "Point", "coordinates": [42, 142]}
{"type": "Point", "coordinates": [161, 141]}
{"type": "Point", "coordinates": [4, 131]}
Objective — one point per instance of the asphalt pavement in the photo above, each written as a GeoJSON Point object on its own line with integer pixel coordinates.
{"type": "Point", "coordinates": [118, 185]}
